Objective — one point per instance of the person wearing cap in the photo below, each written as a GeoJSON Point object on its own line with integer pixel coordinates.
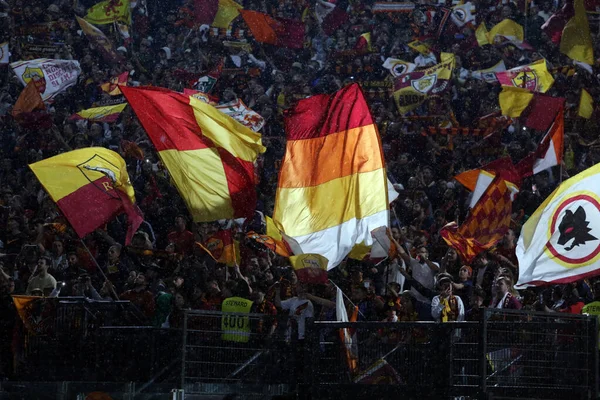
{"type": "Point", "coordinates": [446, 307]}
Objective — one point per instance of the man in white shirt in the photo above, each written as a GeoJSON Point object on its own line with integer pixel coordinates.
{"type": "Point", "coordinates": [299, 310]}
{"type": "Point", "coordinates": [43, 280]}
{"type": "Point", "coordinates": [423, 270]}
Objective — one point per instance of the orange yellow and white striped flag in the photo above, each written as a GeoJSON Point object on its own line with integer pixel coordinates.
{"type": "Point", "coordinates": [333, 151]}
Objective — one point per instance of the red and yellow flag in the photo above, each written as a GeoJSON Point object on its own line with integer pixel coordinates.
{"type": "Point", "coordinates": [332, 189]}
{"type": "Point", "coordinates": [91, 187]}
{"type": "Point", "coordinates": [223, 248]}
{"type": "Point", "coordinates": [100, 41]}
{"type": "Point", "coordinates": [100, 114]}
{"type": "Point", "coordinates": [486, 224]}
{"type": "Point", "coordinates": [310, 268]}
{"type": "Point", "coordinates": [209, 155]}
{"type": "Point", "coordinates": [112, 87]}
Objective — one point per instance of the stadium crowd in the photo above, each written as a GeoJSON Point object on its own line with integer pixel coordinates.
{"type": "Point", "coordinates": [164, 271]}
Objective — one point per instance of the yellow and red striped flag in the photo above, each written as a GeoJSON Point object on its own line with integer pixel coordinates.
{"type": "Point", "coordinates": [100, 114]}
{"type": "Point", "coordinates": [332, 189]}
{"type": "Point", "coordinates": [209, 155]}
{"type": "Point", "coordinates": [486, 224]}
{"type": "Point", "coordinates": [90, 186]}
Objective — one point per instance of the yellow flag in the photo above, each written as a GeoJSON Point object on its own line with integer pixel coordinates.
{"type": "Point", "coordinates": [514, 100]}
{"type": "Point", "coordinates": [481, 34]}
{"type": "Point", "coordinates": [576, 41]}
{"type": "Point", "coordinates": [109, 11]}
{"type": "Point", "coordinates": [534, 77]}
{"type": "Point", "coordinates": [411, 90]}
{"type": "Point", "coordinates": [507, 28]}
{"type": "Point", "coordinates": [419, 46]}
{"type": "Point", "coordinates": [586, 105]}
{"type": "Point", "coordinates": [227, 12]}
{"type": "Point", "coordinates": [359, 251]}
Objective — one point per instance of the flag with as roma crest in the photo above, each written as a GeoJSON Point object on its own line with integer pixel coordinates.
{"type": "Point", "coordinates": [411, 89]}
{"type": "Point", "coordinates": [222, 247]}
{"type": "Point", "coordinates": [534, 77]}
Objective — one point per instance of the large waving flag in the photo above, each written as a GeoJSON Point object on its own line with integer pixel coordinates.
{"type": "Point", "coordinates": [486, 224]}
{"type": "Point", "coordinates": [549, 152]}
{"type": "Point", "coordinates": [533, 77]}
{"type": "Point", "coordinates": [576, 41]}
{"type": "Point", "coordinates": [90, 186]}
{"type": "Point", "coordinates": [209, 155]}
{"type": "Point", "coordinates": [107, 114]}
{"type": "Point", "coordinates": [411, 90]}
{"type": "Point", "coordinates": [109, 11]}
{"type": "Point", "coordinates": [280, 32]}
{"type": "Point", "coordinates": [560, 242]}
{"type": "Point", "coordinates": [50, 76]}
{"type": "Point", "coordinates": [333, 149]}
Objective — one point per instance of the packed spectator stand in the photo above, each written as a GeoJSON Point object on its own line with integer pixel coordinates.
{"type": "Point", "coordinates": [75, 308]}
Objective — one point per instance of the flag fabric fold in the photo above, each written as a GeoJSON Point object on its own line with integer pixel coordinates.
{"type": "Point", "coordinates": [586, 105]}
{"type": "Point", "coordinates": [536, 111]}
{"type": "Point", "coordinates": [549, 152]}
{"type": "Point", "coordinates": [107, 114]}
{"type": "Point", "coordinates": [333, 148]}
{"type": "Point", "coordinates": [4, 53]}
{"type": "Point", "coordinates": [330, 16]}
{"type": "Point", "coordinates": [576, 40]}
{"type": "Point", "coordinates": [209, 155]}
{"type": "Point", "coordinates": [30, 111]}
{"type": "Point", "coordinates": [560, 242]}
{"type": "Point", "coordinates": [227, 11]}
{"type": "Point", "coordinates": [281, 32]}
{"type": "Point", "coordinates": [486, 224]}
{"type": "Point", "coordinates": [91, 187]}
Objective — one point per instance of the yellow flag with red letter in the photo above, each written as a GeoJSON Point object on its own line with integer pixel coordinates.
{"type": "Point", "coordinates": [109, 11]}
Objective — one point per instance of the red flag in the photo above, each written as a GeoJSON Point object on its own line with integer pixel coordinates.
{"type": "Point", "coordinates": [542, 111]}
{"type": "Point", "coordinates": [486, 224]}
{"type": "Point", "coordinates": [549, 152]}
{"type": "Point", "coordinates": [281, 32]}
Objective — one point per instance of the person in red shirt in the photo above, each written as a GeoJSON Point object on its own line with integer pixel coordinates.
{"type": "Point", "coordinates": [181, 240]}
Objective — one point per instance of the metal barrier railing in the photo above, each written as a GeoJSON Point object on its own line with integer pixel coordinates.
{"type": "Point", "coordinates": [224, 348]}
{"type": "Point", "coordinates": [508, 353]}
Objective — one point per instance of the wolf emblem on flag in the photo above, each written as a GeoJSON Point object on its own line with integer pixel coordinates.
{"type": "Point", "coordinates": [574, 230]}
{"type": "Point", "coordinates": [574, 227]}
